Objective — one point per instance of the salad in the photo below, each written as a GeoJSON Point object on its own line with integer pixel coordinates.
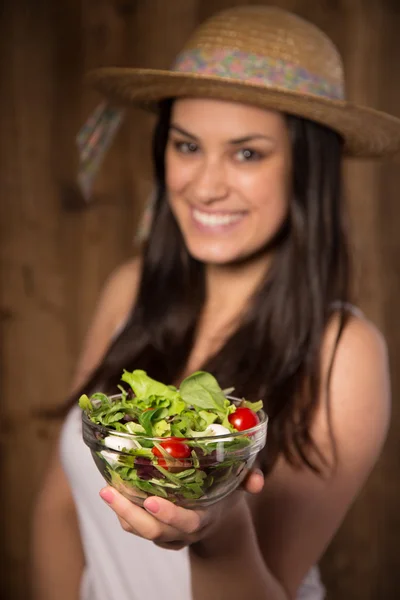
{"type": "Point", "coordinates": [183, 444]}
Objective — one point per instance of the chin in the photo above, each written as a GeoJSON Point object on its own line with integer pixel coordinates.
{"type": "Point", "coordinates": [214, 255]}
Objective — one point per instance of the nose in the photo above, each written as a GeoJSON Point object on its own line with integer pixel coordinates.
{"type": "Point", "coordinates": [210, 182]}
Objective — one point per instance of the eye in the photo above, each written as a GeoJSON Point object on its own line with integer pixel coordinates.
{"type": "Point", "coordinates": [185, 147]}
{"type": "Point", "coordinates": [247, 155]}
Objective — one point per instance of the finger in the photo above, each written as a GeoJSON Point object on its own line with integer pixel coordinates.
{"type": "Point", "coordinates": [136, 520]}
{"type": "Point", "coordinates": [182, 519]}
{"type": "Point", "coordinates": [126, 526]}
{"type": "Point", "coordinates": [254, 482]}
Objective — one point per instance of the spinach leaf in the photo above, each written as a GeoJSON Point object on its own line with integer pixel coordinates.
{"type": "Point", "coordinates": [147, 418]}
{"type": "Point", "coordinates": [201, 390]}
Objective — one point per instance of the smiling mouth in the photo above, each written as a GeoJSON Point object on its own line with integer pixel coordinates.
{"type": "Point", "coordinates": [216, 219]}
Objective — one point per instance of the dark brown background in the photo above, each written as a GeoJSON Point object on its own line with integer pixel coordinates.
{"type": "Point", "coordinates": [55, 256]}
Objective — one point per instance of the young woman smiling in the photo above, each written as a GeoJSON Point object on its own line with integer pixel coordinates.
{"type": "Point", "coordinates": [245, 274]}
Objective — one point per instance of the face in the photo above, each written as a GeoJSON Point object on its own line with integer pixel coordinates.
{"type": "Point", "coordinates": [227, 177]}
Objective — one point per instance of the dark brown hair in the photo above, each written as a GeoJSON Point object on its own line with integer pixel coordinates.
{"type": "Point", "coordinates": [275, 352]}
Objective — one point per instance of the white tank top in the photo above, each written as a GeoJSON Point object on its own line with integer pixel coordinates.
{"type": "Point", "coordinates": [119, 565]}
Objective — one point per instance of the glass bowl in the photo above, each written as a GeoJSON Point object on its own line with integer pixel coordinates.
{"type": "Point", "coordinates": [215, 467]}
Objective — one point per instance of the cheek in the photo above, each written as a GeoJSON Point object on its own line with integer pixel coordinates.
{"type": "Point", "coordinates": [177, 174]}
{"type": "Point", "coordinates": [268, 192]}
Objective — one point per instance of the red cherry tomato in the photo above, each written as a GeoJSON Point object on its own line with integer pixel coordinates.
{"type": "Point", "coordinates": [175, 448]}
{"type": "Point", "coordinates": [243, 418]}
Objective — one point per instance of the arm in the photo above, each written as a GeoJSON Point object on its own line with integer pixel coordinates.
{"type": "Point", "coordinates": [57, 554]}
{"type": "Point", "coordinates": [298, 513]}
{"type": "Point", "coordinates": [228, 563]}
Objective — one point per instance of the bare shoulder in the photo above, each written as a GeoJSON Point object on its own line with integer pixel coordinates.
{"type": "Point", "coordinates": [359, 396]}
{"type": "Point", "coordinates": [127, 271]}
{"type": "Point", "coordinates": [113, 307]}
{"type": "Point", "coordinates": [118, 294]}
{"type": "Point", "coordinates": [360, 338]}
{"type": "Point", "coordinates": [121, 287]}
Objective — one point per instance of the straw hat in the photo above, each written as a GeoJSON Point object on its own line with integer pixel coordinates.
{"type": "Point", "coordinates": [266, 57]}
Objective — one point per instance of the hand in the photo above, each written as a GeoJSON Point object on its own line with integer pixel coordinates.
{"type": "Point", "coordinates": [168, 525]}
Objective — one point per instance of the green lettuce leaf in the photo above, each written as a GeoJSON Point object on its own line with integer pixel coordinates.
{"type": "Point", "coordinates": [161, 428]}
{"type": "Point", "coordinates": [208, 418]}
{"type": "Point", "coordinates": [176, 407]}
{"type": "Point", "coordinates": [133, 427]}
{"type": "Point", "coordinates": [85, 403]}
{"type": "Point", "coordinates": [144, 386]}
{"type": "Point", "coordinates": [256, 406]}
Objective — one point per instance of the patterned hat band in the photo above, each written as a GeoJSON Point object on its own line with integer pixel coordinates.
{"type": "Point", "coordinates": [257, 70]}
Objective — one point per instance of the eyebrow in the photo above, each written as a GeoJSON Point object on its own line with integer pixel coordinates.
{"type": "Point", "coordinates": [242, 140]}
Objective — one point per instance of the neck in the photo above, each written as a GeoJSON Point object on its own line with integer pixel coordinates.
{"type": "Point", "coordinates": [230, 287]}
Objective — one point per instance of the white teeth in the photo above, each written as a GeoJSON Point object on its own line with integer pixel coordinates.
{"type": "Point", "coordinates": [215, 220]}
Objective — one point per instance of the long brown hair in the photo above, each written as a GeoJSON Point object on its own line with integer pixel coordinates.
{"type": "Point", "coordinates": [275, 352]}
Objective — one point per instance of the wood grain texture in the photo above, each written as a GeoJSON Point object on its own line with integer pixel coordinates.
{"type": "Point", "coordinates": [56, 251]}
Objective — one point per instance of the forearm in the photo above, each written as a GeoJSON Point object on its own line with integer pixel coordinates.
{"type": "Point", "coordinates": [57, 557]}
{"type": "Point", "coordinates": [228, 565]}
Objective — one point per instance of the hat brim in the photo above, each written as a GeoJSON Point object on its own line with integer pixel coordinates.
{"type": "Point", "coordinates": [366, 132]}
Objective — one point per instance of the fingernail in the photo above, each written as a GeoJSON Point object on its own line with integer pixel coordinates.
{"type": "Point", "coordinates": [152, 506]}
{"type": "Point", "coordinates": [107, 495]}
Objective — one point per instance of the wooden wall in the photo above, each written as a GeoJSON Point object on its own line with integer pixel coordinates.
{"type": "Point", "coordinates": [56, 252]}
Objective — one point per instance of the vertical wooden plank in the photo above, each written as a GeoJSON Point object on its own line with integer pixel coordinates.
{"type": "Point", "coordinates": [96, 238]}
{"type": "Point", "coordinates": [156, 32]}
{"type": "Point", "coordinates": [361, 533]}
{"type": "Point", "coordinates": [388, 224]}
{"type": "Point", "coordinates": [32, 299]}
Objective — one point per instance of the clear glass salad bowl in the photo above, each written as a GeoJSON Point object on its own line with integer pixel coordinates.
{"type": "Point", "coordinates": [191, 472]}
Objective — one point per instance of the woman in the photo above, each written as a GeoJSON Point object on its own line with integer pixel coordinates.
{"type": "Point", "coordinates": [245, 274]}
